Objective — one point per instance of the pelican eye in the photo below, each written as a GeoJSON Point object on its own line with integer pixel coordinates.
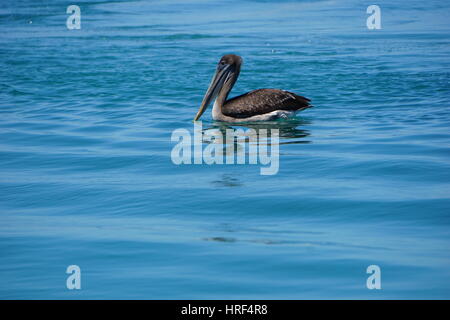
{"type": "Point", "coordinates": [222, 64]}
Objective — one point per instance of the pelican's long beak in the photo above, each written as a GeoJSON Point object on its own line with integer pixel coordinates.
{"type": "Point", "coordinates": [213, 90]}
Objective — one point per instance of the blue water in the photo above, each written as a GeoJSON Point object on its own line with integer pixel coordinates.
{"type": "Point", "coordinates": [86, 175]}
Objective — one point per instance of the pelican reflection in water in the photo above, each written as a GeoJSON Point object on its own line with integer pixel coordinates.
{"type": "Point", "coordinates": [256, 105]}
{"type": "Point", "coordinates": [289, 131]}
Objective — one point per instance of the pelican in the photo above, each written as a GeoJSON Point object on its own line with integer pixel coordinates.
{"type": "Point", "coordinates": [256, 105]}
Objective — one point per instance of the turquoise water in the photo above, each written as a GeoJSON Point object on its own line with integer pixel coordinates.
{"type": "Point", "coordinates": [86, 175]}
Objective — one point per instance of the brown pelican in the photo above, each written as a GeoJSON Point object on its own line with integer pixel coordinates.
{"type": "Point", "coordinates": [256, 105]}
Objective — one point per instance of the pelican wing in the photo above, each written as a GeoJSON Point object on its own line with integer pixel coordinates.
{"type": "Point", "coordinates": [263, 101]}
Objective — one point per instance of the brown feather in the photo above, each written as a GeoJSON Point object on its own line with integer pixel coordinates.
{"type": "Point", "coordinates": [263, 101]}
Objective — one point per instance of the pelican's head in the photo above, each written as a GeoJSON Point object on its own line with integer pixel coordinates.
{"type": "Point", "coordinates": [226, 74]}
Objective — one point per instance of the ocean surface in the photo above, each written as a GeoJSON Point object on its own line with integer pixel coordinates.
{"type": "Point", "coordinates": [87, 179]}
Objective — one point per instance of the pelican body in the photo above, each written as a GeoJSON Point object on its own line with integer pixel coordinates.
{"type": "Point", "coordinates": [256, 105]}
